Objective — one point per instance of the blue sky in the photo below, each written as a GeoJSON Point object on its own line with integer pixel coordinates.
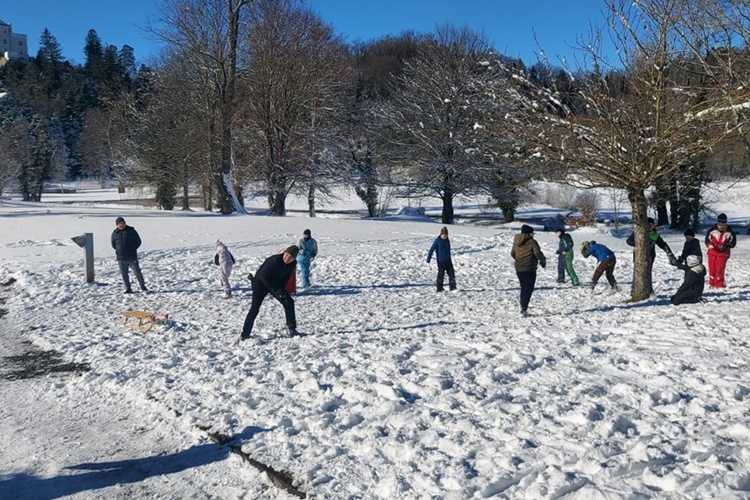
{"type": "Point", "coordinates": [509, 24]}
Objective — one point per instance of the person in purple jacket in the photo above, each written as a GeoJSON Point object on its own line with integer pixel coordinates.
{"type": "Point", "coordinates": [442, 247]}
{"type": "Point", "coordinates": [607, 262]}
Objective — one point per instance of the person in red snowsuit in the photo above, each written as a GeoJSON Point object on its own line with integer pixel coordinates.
{"type": "Point", "coordinates": [720, 240]}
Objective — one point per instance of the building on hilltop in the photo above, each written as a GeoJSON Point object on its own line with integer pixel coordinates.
{"type": "Point", "coordinates": [12, 45]}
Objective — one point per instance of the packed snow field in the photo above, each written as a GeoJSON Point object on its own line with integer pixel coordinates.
{"type": "Point", "coordinates": [396, 391]}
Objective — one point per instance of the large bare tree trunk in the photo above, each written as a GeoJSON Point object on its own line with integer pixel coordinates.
{"type": "Point", "coordinates": [642, 285]}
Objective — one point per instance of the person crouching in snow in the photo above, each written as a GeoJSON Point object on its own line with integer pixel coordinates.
{"type": "Point", "coordinates": [527, 255]}
{"type": "Point", "coordinates": [691, 289]}
{"type": "Point", "coordinates": [607, 262]}
{"type": "Point", "coordinates": [225, 260]}
{"type": "Point", "coordinates": [442, 247]}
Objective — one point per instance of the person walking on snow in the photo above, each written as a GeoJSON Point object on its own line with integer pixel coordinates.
{"type": "Point", "coordinates": [565, 257]}
{"type": "Point", "coordinates": [527, 255]}
{"type": "Point", "coordinates": [720, 240]}
{"type": "Point", "coordinates": [691, 246]}
{"type": "Point", "coordinates": [308, 250]}
{"type": "Point", "coordinates": [691, 290]}
{"type": "Point", "coordinates": [225, 260]}
{"type": "Point", "coordinates": [654, 240]}
{"type": "Point", "coordinates": [606, 259]}
{"type": "Point", "coordinates": [272, 277]}
{"type": "Point", "coordinates": [442, 248]}
{"type": "Point", "coordinates": [126, 241]}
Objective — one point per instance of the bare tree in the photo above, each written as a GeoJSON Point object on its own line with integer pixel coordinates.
{"type": "Point", "coordinates": [438, 118]}
{"type": "Point", "coordinates": [665, 105]}
{"type": "Point", "coordinates": [295, 69]}
{"type": "Point", "coordinates": [207, 33]}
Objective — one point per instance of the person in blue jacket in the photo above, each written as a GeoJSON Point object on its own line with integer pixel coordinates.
{"type": "Point", "coordinates": [607, 262]}
{"type": "Point", "coordinates": [308, 250]}
{"type": "Point", "coordinates": [442, 247]}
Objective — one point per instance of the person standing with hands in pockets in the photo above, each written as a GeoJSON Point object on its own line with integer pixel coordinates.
{"type": "Point", "coordinates": [442, 247]}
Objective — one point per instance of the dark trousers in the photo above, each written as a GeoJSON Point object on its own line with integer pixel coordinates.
{"type": "Point", "coordinates": [527, 279]}
{"type": "Point", "coordinates": [259, 293]}
{"type": "Point", "coordinates": [446, 267]}
{"type": "Point", "coordinates": [607, 268]}
{"type": "Point", "coordinates": [125, 266]}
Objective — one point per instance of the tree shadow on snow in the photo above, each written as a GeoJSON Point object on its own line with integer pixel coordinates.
{"type": "Point", "coordinates": [98, 475]}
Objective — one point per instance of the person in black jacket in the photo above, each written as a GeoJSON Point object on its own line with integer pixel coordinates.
{"type": "Point", "coordinates": [125, 241]}
{"type": "Point", "coordinates": [692, 246]}
{"type": "Point", "coordinates": [691, 289]}
{"type": "Point", "coordinates": [442, 247]}
{"type": "Point", "coordinates": [272, 277]}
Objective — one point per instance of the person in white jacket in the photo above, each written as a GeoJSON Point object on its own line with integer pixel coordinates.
{"type": "Point", "coordinates": [225, 260]}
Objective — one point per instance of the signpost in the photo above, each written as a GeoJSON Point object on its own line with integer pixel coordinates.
{"type": "Point", "coordinates": [86, 241]}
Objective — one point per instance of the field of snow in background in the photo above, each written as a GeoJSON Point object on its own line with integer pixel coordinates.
{"type": "Point", "coordinates": [398, 391]}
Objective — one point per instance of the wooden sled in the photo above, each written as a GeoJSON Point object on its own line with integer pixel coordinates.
{"type": "Point", "coordinates": [142, 321]}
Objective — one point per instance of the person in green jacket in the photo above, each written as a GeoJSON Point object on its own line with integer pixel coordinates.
{"type": "Point", "coordinates": [654, 240]}
{"type": "Point", "coordinates": [565, 257]}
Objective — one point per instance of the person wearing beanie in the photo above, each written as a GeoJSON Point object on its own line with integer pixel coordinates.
{"type": "Point", "coordinates": [720, 240]}
{"type": "Point", "coordinates": [126, 241]}
{"type": "Point", "coordinates": [271, 278]}
{"type": "Point", "coordinates": [565, 257]}
{"type": "Point", "coordinates": [654, 240]}
{"type": "Point", "coordinates": [527, 256]}
{"type": "Point", "coordinates": [308, 250]}
{"type": "Point", "coordinates": [691, 290]}
{"type": "Point", "coordinates": [691, 246]}
{"type": "Point", "coordinates": [225, 260]}
{"type": "Point", "coordinates": [607, 262]}
{"type": "Point", "coordinates": [442, 249]}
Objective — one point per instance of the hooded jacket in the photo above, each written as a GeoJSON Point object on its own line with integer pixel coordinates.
{"type": "Point", "coordinates": [692, 287]}
{"type": "Point", "coordinates": [274, 273]}
{"type": "Point", "coordinates": [526, 253]}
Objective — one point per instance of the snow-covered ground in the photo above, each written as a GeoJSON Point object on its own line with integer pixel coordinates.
{"type": "Point", "coordinates": [396, 392]}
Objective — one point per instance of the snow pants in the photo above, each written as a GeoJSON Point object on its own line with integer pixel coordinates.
{"type": "Point", "coordinates": [717, 264]}
{"type": "Point", "coordinates": [225, 270]}
{"type": "Point", "coordinates": [565, 264]}
{"type": "Point", "coordinates": [607, 268]}
{"type": "Point", "coordinates": [304, 270]}
{"type": "Point", "coordinates": [446, 267]}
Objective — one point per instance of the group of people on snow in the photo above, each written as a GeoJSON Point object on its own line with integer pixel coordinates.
{"type": "Point", "coordinates": [278, 271]}
{"type": "Point", "coordinates": [719, 241]}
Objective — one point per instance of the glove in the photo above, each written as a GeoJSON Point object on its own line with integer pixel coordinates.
{"type": "Point", "coordinates": [722, 248]}
{"type": "Point", "coordinates": [543, 264]}
{"type": "Point", "coordinates": [558, 252]}
{"type": "Point", "coordinates": [672, 259]}
{"type": "Point", "coordinates": [428, 261]}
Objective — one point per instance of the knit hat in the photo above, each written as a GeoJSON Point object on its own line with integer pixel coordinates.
{"type": "Point", "coordinates": [218, 243]}
{"type": "Point", "coordinates": [526, 229]}
{"type": "Point", "coordinates": [292, 250]}
{"type": "Point", "coordinates": [651, 220]}
{"type": "Point", "coordinates": [560, 230]}
{"type": "Point", "coordinates": [444, 230]}
{"type": "Point", "coordinates": [306, 231]}
{"type": "Point", "coordinates": [119, 219]}
{"type": "Point", "coordinates": [722, 218]}
{"type": "Point", "coordinates": [689, 232]}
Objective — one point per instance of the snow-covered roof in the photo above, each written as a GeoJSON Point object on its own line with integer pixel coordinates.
{"type": "Point", "coordinates": [3, 23]}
